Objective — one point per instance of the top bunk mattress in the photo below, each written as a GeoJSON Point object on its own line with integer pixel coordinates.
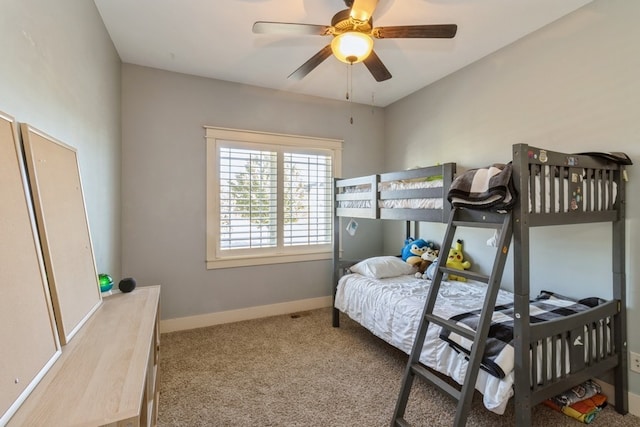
{"type": "Point", "coordinates": [399, 185]}
{"type": "Point", "coordinates": [411, 194]}
{"type": "Point", "coordinates": [548, 187]}
{"type": "Point", "coordinates": [559, 188]}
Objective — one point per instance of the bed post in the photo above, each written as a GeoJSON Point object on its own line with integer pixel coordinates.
{"type": "Point", "coordinates": [336, 257]}
{"type": "Point", "coordinates": [521, 278]}
{"type": "Point", "coordinates": [620, 293]}
{"type": "Point", "coordinates": [448, 172]}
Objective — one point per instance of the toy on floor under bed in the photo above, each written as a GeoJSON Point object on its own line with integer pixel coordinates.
{"type": "Point", "coordinates": [455, 260]}
{"type": "Point", "coordinates": [583, 402]}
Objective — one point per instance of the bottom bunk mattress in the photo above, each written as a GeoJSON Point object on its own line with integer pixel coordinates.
{"type": "Point", "coordinates": [391, 308]}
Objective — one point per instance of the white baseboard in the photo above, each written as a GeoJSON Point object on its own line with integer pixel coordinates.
{"type": "Point", "coordinates": [210, 319]}
{"type": "Point", "coordinates": [634, 404]}
{"type": "Point", "coordinates": [609, 391]}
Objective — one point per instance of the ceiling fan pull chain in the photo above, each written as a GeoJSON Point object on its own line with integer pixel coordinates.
{"type": "Point", "coordinates": [346, 96]}
{"type": "Point", "coordinates": [350, 95]}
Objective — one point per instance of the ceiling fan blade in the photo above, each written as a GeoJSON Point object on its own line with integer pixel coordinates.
{"type": "Point", "coordinates": [362, 10]}
{"type": "Point", "coordinates": [376, 67]}
{"type": "Point", "coordinates": [264, 27]}
{"type": "Point", "coordinates": [312, 63]}
{"type": "Point", "coordinates": [438, 31]}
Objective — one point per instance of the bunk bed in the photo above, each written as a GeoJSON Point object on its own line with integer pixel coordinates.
{"type": "Point", "coordinates": [552, 189]}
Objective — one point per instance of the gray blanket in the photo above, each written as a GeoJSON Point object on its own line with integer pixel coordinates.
{"type": "Point", "coordinates": [488, 188]}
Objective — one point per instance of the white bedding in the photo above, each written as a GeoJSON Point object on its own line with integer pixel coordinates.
{"type": "Point", "coordinates": [410, 184]}
{"type": "Point", "coordinates": [354, 204]}
{"type": "Point", "coordinates": [592, 188]}
{"type": "Point", "coordinates": [428, 203]}
{"type": "Point", "coordinates": [411, 203]}
{"type": "Point", "coordinates": [394, 204]}
{"type": "Point", "coordinates": [391, 309]}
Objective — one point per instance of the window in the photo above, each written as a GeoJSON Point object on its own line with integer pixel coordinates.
{"type": "Point", "coordinates": [269, 197]}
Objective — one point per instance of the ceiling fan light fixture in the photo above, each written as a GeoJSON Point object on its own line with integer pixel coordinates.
{"type": "Point", "coordinates": [352, 47]}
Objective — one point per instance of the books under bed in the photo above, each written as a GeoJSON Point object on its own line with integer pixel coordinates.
{"type": "Point", "coordinates": [538, 345]}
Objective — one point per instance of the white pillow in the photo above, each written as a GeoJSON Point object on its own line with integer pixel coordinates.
{"type": "Point", "coordinates": [383, 266]}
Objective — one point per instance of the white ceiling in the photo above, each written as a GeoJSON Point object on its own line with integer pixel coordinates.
{"type": "Point", "coordinates": [213, 38]}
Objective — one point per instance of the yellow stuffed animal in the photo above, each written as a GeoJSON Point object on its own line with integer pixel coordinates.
{"type": "Point", "coordinates": [456, 261]}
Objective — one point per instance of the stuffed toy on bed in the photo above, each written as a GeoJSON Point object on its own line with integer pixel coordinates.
{"type": "Point", "coordinates": [431, 270]}
{"type": "Point", "coordinates": [456, 261]}
{"type": "Point", "coordinates": [427, 259]}
{"type": "Point", "coordinates": [413, 250]}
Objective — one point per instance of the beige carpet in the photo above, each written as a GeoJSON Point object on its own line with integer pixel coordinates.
{"type": "Point", "coordinates": [297, 370]}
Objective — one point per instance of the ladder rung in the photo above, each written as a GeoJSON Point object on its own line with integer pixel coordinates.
{"type": "Point", "coordinates": [474, 218]}
{"type": "Point", "coordinates": [435, 380]}
{"type": "Point", "coordinates": [466, 273]}
{"type": "Point", "coordinates": [473, 224]}
{"type": "Point", "coordinates": [401, 422]}
{"type": "Point", "coordinates": [452, 326]}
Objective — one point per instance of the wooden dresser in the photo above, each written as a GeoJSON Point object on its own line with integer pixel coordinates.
{"type": "Point", "coordinates": [107, 374]}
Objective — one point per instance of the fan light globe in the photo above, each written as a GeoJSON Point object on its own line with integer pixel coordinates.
{"type": "Point", "coordinates": [352, 47]}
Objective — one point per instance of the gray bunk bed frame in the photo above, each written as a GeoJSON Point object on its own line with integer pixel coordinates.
{"type": "Point", "coordinates": [603, 327]}
{"type": "Point", "coordinates": [371, 195]}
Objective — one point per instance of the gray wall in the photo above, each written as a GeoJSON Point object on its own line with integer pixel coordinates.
{"type": "Point", "coordinates": [163, 179]}
{"type": "Point", "coordinates": [572, 86]}
{"type": "Point", "coordinates": [60, 73]}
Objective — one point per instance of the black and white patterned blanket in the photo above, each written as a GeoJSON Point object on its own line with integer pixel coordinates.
{"type": "Point", "coordinates": [484, 188]}
{"type": "Point", "coordinates": [498, 359]}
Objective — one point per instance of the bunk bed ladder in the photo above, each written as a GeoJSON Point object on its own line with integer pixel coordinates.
{"type": "Point", "coordinates": [459, 217]}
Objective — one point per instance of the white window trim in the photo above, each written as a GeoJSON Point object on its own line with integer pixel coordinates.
{"type": "Point", "coordinates": [212, 135]}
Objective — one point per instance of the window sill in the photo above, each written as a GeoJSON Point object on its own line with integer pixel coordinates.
{"type": "Point", "coordinates": [265, 260]}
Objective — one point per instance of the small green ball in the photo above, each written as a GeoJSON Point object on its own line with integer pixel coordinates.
{"type": "Point", "coordinates": [106, 282]}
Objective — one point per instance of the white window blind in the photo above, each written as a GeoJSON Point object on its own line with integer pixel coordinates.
{"type": "Point", "coordinates": [269, 197]}
{"type": "Point", "coordinates": [248, 198]}
{"type": "Point", "coordinates": [308, 211]}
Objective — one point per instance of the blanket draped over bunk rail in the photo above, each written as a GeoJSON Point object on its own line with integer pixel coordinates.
{"type": "Point", "coordinates": [484, 188]}
{"type": "Point", "coordinates": [499, 356]}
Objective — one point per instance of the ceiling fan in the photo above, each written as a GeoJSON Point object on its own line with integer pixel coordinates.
{"type": "Point", "coordinates": [353, 33]}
